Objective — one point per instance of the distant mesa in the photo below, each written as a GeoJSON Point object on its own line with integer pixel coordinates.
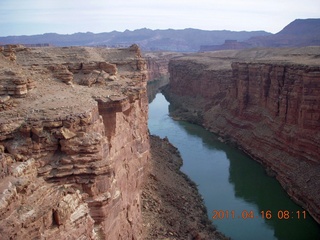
{"type": "Point", "coordinates": [228, 44]}
{"type": "Point", "coordinates": [299, 33]}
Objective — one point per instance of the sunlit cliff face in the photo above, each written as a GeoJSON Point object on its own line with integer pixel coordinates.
{"type": "Point", "coordinates": [74, 142]}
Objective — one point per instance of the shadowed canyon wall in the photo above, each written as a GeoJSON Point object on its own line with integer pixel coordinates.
{"type": "Point", "coordinates": [158, 74]}
{"type": "Point", "coordinates": [267, 101]}
{"type": "Point", "coordinates": [74, 142]}
{"type": "Point", "coordinates": [157, 64]}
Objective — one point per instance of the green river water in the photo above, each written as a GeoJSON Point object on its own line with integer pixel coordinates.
{"type": "Point", "coordinates": [245, 202]}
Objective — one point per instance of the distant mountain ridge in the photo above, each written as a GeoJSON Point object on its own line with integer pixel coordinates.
{"type": "Point", "coordinates": [302, 27]}
{"type": "Point", "coordinates": [186, 40]}
{"type": "Point", "coordinates": [299, 33]}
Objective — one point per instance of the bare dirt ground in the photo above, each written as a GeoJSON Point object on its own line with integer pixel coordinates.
{"type": "Point", "coordinates": [52, 97]}
{"type": "Point", "coordinates": [172, 206]}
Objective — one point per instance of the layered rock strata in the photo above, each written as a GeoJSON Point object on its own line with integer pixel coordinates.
{"type": "Point", "coordinates": [158, 74]}
{"type": "Point", "coordinates": [72, 156]}
{"type": "Point", "coordinates": [267, 101]}
{"type": "Point", "coordinates": [157, 63]}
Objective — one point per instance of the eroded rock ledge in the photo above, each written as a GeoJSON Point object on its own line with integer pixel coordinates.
{"type": "Point", "coordinates": [73, 142]}
{"type": "Point", "coordinates": [267, 101]}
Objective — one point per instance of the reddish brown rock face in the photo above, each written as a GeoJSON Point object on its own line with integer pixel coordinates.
{"type": "Point", "coordinates": [157, 63]}
{"type": "Point", "coordinates": [73, 157]}
{"type": "Point", "coordinates": [267, 101]}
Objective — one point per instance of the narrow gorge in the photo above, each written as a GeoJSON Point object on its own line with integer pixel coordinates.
{"type": "Point", "coordinates": [76, 158]}
{"type": "Point", "coordinates": [264, 101]}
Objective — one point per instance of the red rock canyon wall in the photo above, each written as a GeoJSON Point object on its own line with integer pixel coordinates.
{"type": "Point", "coordinates": [157, 64]}
{"type": "Point", "coordinates": [72, 156]}
{"type": "Point", "coordinates": [266, 101]}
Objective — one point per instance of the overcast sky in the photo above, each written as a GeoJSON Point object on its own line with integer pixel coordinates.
{"type": "Point", "coordinates": [29, 17]}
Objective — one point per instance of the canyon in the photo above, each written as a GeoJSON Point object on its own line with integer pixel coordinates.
{"type": "Point", "coordinates": [157, 63]}
{"type": "Point", "coordinates": [74, 142]}
{"type": "Point", "coordinates": [77, 161]}
{"type": "Point", "coordinates": [76, 158]}
{"type": "Point", "coordinates": [158, 75]}
{"type": "Point", "coordinates": [264, 101]}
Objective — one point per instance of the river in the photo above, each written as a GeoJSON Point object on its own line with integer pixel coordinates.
{"type": "Point", "coordinates": [245, 202]}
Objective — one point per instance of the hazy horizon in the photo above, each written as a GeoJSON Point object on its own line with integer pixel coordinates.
{"type": "Point", "coordinates": [32, 17]}
{"type": "Point", "coordinates": [130, 31]}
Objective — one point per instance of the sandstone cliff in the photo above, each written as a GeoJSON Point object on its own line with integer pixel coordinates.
{"type": "Point", "coordinates": [266, 101]}
{"type": "Point", "coordinates": [158, 74]}
{"type": "Point", "coordinates": [157, 64]}
{"type": "Point", "coordinates": [73, 142]}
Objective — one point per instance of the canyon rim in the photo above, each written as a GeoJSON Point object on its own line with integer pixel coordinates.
{"type": "Point", "coordinates": [75, 153]}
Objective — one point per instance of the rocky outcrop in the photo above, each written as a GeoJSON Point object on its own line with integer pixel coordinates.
{"type": "Point", "coordinates": [92, 72]}
{"type": "Point", "coordinates": [62, 73]}
{"type": "Point", "coordinates": [15, 83]}
{"type": "Point", "coordinates": [266, 101]}
{"type": "Point", "coordinates": [73, 157]}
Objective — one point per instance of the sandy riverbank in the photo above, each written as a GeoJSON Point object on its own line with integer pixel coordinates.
{"type": "Point", "coordinates": [172, 206]}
